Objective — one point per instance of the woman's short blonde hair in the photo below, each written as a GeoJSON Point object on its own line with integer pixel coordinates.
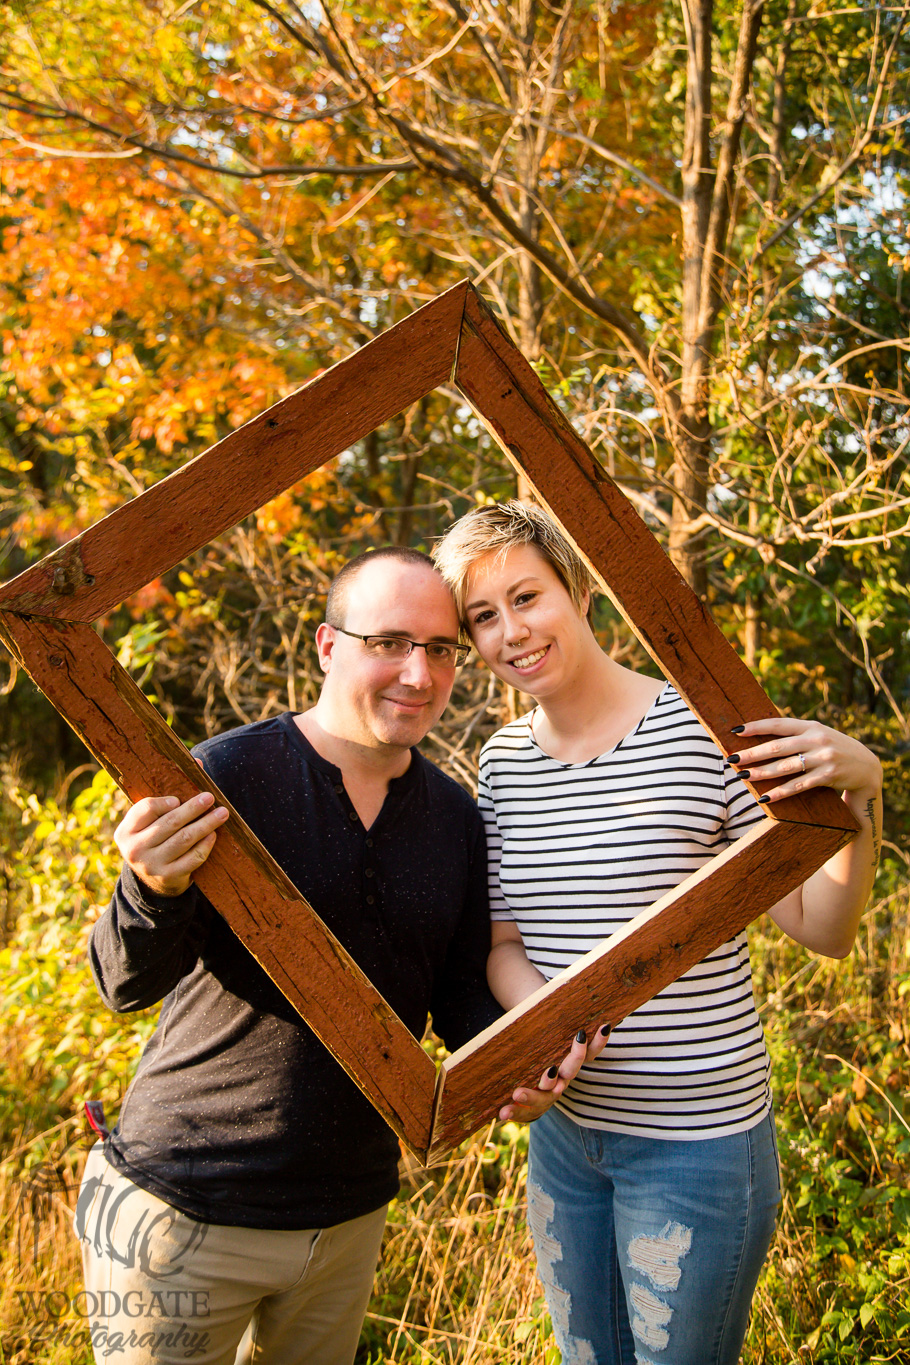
{"type": "Point", "coordinates": [499, 527]}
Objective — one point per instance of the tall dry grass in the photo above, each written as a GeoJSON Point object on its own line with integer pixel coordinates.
{"type": "Point", "coordinates": [456, 1281]}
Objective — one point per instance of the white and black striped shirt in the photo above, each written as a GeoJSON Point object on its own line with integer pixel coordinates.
{"type": "Point", "coordinates": [577, 850]}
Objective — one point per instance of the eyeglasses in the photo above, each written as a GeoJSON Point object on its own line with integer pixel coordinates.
{"type": "Point", "coordinates": [395, 648]}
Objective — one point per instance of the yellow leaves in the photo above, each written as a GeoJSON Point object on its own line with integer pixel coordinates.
{"type": "Point", "coordinates": [49, 526]}
{"type": "Point", "coordinates": [280, 516]}
{"type": "Point", "coordinates": [168, 43]}
{"type": "Point", "coordinates": [859, 1085]}
{"type": "Point", "coordinates": [828, 176]}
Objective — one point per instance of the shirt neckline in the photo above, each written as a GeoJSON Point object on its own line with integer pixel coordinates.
{"type": "Point", "coordinates": [399, 787]}
{"type": "Point", "coordinates": [607, 753]}
{"type": "Point", "coordinates": [313, 755]}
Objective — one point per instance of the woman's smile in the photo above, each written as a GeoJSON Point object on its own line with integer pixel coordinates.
{"type": "Point", "coordinates": [527, 661]}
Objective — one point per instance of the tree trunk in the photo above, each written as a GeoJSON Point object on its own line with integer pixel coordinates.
{"type": "Point", "coordinates": [687, 539]}
{"type": "Point", "coordinates": [530, 280]}
{"type": "Point", "coordinates": [691, 431]}
{"type": "Point", "coordinates": [708, 179]}
{"type": "Point", "coordinates": [754, 606]}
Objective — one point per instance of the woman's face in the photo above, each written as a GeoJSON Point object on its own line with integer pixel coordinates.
{"type": "Point", "coordinates": [523, 622]}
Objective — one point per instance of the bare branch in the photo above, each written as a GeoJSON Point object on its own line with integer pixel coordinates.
{"type": "Point", "coordinates": [168, 153]}
{"type": "Point", "coordinates": [859, 147]}
{"type": "Point", "coordinates": [442, 163]}
{"type": "Point", "coordinates": [616, 160]}
{"type": "Point", "coordinates": [722, 196]}
{"type": "Point", "coordinates": [491, 56]}
{"type": "Point", "coordinates": [427, 62]}
{"type": "Point", "coordinates": [66, 153]}
{"type": "Point", "coordinates": [307, 35]}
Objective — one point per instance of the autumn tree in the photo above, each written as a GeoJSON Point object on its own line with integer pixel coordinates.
{"type": "Point", "coordinates": [691, 215]}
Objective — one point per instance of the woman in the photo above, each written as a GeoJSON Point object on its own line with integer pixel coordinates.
{"type": "Point", "coordinates": [653, 1184]}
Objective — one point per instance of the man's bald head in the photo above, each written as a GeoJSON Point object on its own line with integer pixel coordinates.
{"type": "Point", "coordinates": [337, 600]}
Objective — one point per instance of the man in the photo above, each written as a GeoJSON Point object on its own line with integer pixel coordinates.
{"type": "Point", "coordinates": [243, 1192]}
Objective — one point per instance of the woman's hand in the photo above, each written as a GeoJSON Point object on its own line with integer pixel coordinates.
{"type": "Point", "coordinates": [800, 754]}
{"type": "Point", "coordinates": [528, 1104]}
{"type": "Point", "coordinates": [824, 913]}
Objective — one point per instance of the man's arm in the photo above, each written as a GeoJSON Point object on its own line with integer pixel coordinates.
{"type": "Point", "coordinates": [152, 932]}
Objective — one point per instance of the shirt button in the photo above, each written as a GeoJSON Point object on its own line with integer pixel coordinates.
{"type": "Point", "coordinates": [339, 787]}
{"type": "Point", "coordinates": [369, 843]}
{"type": "Point", "coordinates": [368, 872]}
{"type": "Point", "coordinates": [352, 815]}
{"type": "Point", "coordinates": [370, 900]}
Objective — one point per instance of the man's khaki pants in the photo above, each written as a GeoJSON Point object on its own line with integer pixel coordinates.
{"type": "Point", "coordinates": [162, 1288]}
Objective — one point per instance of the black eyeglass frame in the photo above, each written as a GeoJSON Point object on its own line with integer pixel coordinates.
{"type": "Point", "coordinates": [461, 651]}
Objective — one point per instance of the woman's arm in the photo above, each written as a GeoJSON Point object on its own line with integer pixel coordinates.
{"type": "Point", "coordinates": [512, 978]}
{"type": "Point", "coordinates": [510, 974]}
{"type": "Point", "coordinates": [824, 913]}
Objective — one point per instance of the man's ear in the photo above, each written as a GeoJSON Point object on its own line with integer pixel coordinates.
{"type": "Point", "coordinates": [325, 644]}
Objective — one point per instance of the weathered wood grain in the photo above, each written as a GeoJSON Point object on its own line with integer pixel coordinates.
{"type": "Point", "coordinates": [659, 606]}
{"type": "Point", "coordinates": [93, 573]}
{"type": "Point", "coordinates": [73, 667]}
{"type": "Point", "coordinates": [606, 985]}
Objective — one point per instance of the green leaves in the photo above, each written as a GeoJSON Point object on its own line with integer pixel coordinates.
{"type": "Point", "coordinates": [839, 1272]}
{"type": "Point", "coordinates": [62, 1047]}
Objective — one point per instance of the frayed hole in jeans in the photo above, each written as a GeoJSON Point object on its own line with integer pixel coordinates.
{"type": "Point", "coordinates": [658, 1260]}
{"type": "Point", "coordinates": [548, 1248]}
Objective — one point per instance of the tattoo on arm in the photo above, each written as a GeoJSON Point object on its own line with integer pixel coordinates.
{"type": "Point", "coordinates": [876, 838]}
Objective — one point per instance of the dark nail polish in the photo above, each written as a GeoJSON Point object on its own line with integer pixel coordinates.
{"type": "Point", "coordinates": [733, 758]}
{"type": "Point", "coordinates": [581, 1036]}
{"type": "Point", "coordinates": [553, 1072]}
{"type": "Point", "coordinates": [737, 729]}
{"type": "Point", "coordinates": [745, 772]}
{"type": "Point", "coordinates": [606, 1030]}
{"type": "Point", "coordinates": [763, 800]}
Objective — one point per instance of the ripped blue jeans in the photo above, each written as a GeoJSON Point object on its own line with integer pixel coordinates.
{"type": "Point", "coordinates": [649, 1250]}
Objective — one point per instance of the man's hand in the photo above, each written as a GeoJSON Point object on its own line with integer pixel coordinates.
{"type": "Point", "coordinates": [164, 842]}
{"type": "Point", "coordinates": [528, 1104]}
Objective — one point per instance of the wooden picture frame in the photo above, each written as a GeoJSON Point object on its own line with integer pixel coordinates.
{"type": "Point", "coordinates": [46, 617]}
